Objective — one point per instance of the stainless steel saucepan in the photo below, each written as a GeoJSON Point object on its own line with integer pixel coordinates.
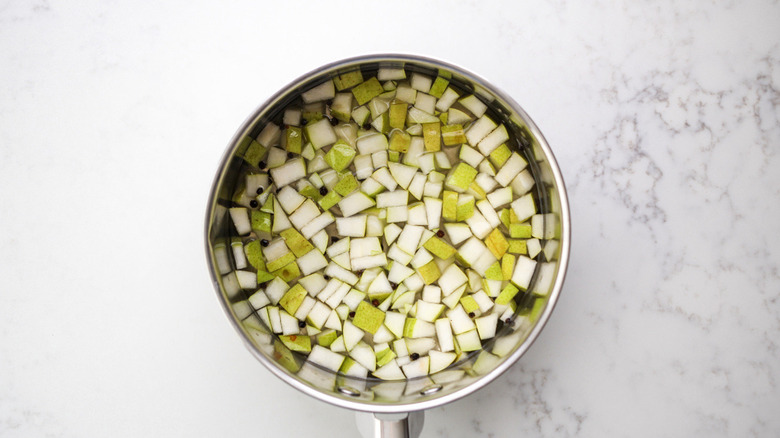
{"type": "Point", "coordinates": [394, 408]}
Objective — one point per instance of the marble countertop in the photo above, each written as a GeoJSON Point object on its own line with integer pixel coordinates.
{"type": "Point", "coordinates": [663, 117]}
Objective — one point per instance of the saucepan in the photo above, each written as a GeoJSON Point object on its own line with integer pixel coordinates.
{"type": "Point", "coordinates": [509, 291]}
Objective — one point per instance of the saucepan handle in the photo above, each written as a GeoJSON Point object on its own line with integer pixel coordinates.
{"type": "Point", "coordinates": [403, 425]}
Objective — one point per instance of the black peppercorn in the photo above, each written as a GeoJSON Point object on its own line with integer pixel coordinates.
{"type": "Point", "coordinates": [335, 239]}
{"type": "Point", "coordinates": [472, 314]}
{"type": "Point", "coordinates": [263, 285]}
{"type": "Point", "coordinates": [351, 314]}
{"type": "Point", "coordinates": [366, 126]}
{"type": "Point", "coordinates": [261, 164]}
{"type": "Point", "coordinates": [414, 356]}
{"type": "Point", "coordinates": [334, 121]}
{"type": "Point", "coordinates": [440, 233]}
{"type": "Point", "coordinates": [253, 203]}
{"type": "Point", "coordinates": [264, 242]}
{"type": "Point", "coordinates": [289, 155]}
{"type": "Point", "coordinates": [375, 302]}
{"type": "Point", "coordinates": [327, 277]}
{"type": "Point", "coordinates": [260, 190]}
{"type": "Point", "coordinates": [323, 190]}
{"type": "Point", "coordinates": [301, 324]}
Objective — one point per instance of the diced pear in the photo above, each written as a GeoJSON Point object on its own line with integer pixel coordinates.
{"type": "Point", "coordinates": [473, 104]}
{"type": "Point", "coordinates": [336, 298]}
{"type": "Point", "coordinates": [510, 169]}
{"type": "Point", "coordinates": [432, 136]}
{"type": "Point", "coordinates": [397, 214]}
{"type": "Point", "coordinates": [496, 243]}
{"type": "Point", "coordinates": [432, 189]}
{"type": "Point", "coordinates": [378, 106]}
{"type": "Point", "coordinates": [499, 155]}
{"type": "Point", "coordinates": [524, 207]}
{"type": "Point", "coordinates": [379, 159]}
{"type": "Point", "coordinates": [409, 238]}
{"type": "Point", "coordinates": [493, 140]}
{"type": "Point", "coordinates": [465, 208]}
{"type": "Point", "coordinates": [483, 300]}
{"type": "Point", "coordinates": [368, 262]}
{"type": "Point", "coordinates": [304, 214]}
{"type": "Point", "coordinates": [403, 174]}
{"type": "Point", "coordinates": [367, 90]}
{"type": "Point", "coordinates": [371, 143]}
{"type": "Point", "coordinates": [340, 156]}
{"type": "Point", "coordinates": [524, 270]}
{"type": "Point", "coordinates": [318, 315]}
{"type": "Point", "coordinates": [416, 148]}
{"type": "Point", "coordinates": [399, 141]}
{"type": "Point", "coordinates": [240, 218]}
{"type": "Point", "coordinates": [507, 266]}
{"type": "Point", "coordinates": [398, 273]}
{"type": "Point", "coordinates": [522, 183]}
{"type": "Point", "coordinates": [368, 317]}
{"type": "Point", "coordinates": [395, 322]}
{"type": "Point", "coordinates": [397, 254]}
{"type": "Point", "coordinates": [355, 203]}
{"type": "Point", "coordinates": [469, 341]}
{"type": "Point", "coordinates": [417, 186]}
{"type": "Point", "coordinates": [416, 115]}
{"type": "Point", "coordinates": [353, 226]}
{"type": "Point", "coordinates": [311, 262]}
{"type": "Point", "coordinates": [392, 231]}
{"type": "Point", "coordinates": [417, 368]}
{"type": "Point", "coordinates": [269, 136]}
{"type": "Point", "coordinates": [303, 310]}
{"type": "Point", "coordinates": [429, 272]}
{"type": "Point", "coordinates": [392, 199]}
{"type": "Point", "coordinates": [451, 279]}
{"type": "Point", "coordinates": [431, 294]}
{"type": "Point", "coordinates": [364, 355]}
{"type": "Point", "coordinates": [438, 87]}
{"type": "Point", "coordinates": [454, 115]}
{"type": "Point", "coordinates": [426, 103]}
{"type": "Point", "coordinates": [321, 92]}
{"type": "Point", "coordinates": [382, 175]}
{"type": "Point", "coordinates": [293, 298]}
{"type": "Point", "coordinates": [500, 197]}
{"type": "Point", "coordinates": [397, 116]}
{"type": "Point", "coordinates": [405, 93]}
{"type": "Point", "coordinates": [390, 371]}
{"type": "Point", "coordinates": [420, 82]}
{"type": "Point", "coordinates": [439, 361]}
{"type": "Point", "coordinates": [460, 320]}
{"type": "Point", "coordinates": [448, 97]}
{"type": "Point", "coordinates": [417, 328]}
{"type": "Point", "coordinates": [479, 225]}
{"type": "Point", "coordinates": [480, 129]}
{"type": "Point", "coordinates": [470, 156]}
{"type": "Point", "coordinates": [292, 117]}
{"type": "Point", "coordinates": [417, 214]}
{"type": "Point", "coordinates": [320, 133]}
{"type": "Point", "coordinates": [460, 177]}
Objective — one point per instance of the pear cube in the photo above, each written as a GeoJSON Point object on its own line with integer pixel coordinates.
{"type": "Point", "coordinates": [368, 317]}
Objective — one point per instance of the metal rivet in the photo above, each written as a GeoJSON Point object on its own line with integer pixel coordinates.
{"type": "Point", "coordinates": [431, 390]}
{"type": "Point", "coordinates": [346, 390]}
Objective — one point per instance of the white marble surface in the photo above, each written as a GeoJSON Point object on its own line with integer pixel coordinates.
{"type": "Point", "coordinates": [664, 118]}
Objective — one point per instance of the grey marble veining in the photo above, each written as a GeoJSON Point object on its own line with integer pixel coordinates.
{"type": "Point", "coordinates": [664, 119]}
